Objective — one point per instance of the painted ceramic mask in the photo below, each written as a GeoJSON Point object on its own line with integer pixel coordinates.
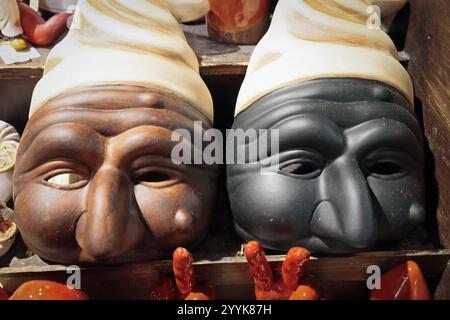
{"type": "Point", "coordinates": [95, 181]}
{"type": "Point", "coordinates": [349, 169]}
{"type": "Point", "coordinates": [350, 172]}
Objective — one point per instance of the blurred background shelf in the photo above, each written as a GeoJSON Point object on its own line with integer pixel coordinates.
{"type": "Point", "coordinates": [214, 58]}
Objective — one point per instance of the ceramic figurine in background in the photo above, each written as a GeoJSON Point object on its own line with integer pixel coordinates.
{"type": "Point", "coordinates": [347, 173]}
{"type": "Point", "coordinates": [9, 143]}
{"type": "Point", "coordinates": [57, 6]}
{"type": "Point", "coordinates": [238, 21]}
{"type": "Point", "coordinates": [40, 32]}
{"type": "Point", "coordinates": [10, 26]}
{"type": "Point", "coordinates": [94, 180]}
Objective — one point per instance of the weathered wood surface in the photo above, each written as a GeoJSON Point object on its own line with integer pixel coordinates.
{"type": "Point", "coordinates": [214, 58]}
{"type": "Point", "coordinates": [342, 276]}
{"type": "Point", "coordinates": [428, 45]}
{"type": "Point", "coordinates": [443, 289]}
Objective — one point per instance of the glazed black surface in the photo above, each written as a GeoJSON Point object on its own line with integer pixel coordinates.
{"type": "Point", "coordinates": [350, 173]}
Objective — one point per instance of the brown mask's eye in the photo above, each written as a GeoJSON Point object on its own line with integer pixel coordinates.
{"type": "Point", "coordinates": [385, 168]}
{"type": "Point", "coordinates": [156, 178]}
{"type": "Point", "coordinates": [66, 181]}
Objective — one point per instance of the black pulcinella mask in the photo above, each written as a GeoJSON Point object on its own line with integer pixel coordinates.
{"type": "Point", "coordinates": [350, 174]}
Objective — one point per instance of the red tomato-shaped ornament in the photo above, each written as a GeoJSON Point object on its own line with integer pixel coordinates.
{"type": "Point", "coordinates": [47, 290]}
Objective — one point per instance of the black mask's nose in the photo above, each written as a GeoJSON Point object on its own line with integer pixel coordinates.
{"type": "Point", "coordinates": [346, 212]}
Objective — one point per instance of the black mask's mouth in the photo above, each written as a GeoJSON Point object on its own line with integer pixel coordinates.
{"type": "Point", "coordinates": [313, 243]}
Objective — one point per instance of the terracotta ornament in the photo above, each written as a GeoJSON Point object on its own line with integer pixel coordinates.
{"type": "Point", "coordinates": [9, 143]}
{"type": "Point", "coordinates": [10, 27]}
{"type": "Point", "coordinates": [8, 229]}
{"type": "Point", "coordinates": [347, 173]}
{"type": "Point", "coordinates": [292, 285]}
{"type": "Point", "coordinates": [403, 282]}
{"type": "Point", "coordinates": [57, 6]}
{"type": "Point", "coordinates": [94, 180]}
{"type": "Point", "coordinates": [40, 32]}
{"type": "Point", "coordinates": [238, 21]}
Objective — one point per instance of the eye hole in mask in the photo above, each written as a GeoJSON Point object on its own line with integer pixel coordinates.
{"type": "Point", "coordinates": [385, 168]}
{"type": "Point", "coordinates": [66, 181]}
{"type": "Point", "coordinates": [156, 178]}
{"type": "Point", "coordinates": [304, 169]}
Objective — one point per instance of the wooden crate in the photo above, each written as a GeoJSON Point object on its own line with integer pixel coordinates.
{"type": "Point", "coordinates": [421, 34]}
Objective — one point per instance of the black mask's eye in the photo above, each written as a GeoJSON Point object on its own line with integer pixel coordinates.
{"type": "Point", "coordinates": [385, 169]}
{"type": "Point", "coordinates": [300, 168]}
{"type": "Point", "coordinates": [304, 169]}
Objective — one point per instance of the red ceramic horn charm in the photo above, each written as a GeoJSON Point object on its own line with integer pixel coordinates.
{"type": "Point", "coordinates": [404, 282]}
{"type": "Point", "coordinates": [186, 286]}
{"type": "Point", "coordinates": [289, 286]}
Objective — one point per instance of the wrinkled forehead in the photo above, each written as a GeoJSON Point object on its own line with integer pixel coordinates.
{"type": "Point", "coordinates": [346, 102]}
{"type": "Point", "coordinates": [112, 110]}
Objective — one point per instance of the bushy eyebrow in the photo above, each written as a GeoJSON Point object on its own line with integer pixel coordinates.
{"type": "Point", "coordinates": [384, 133]}
{"type": "Point", "coordinates": [62, 141]}
{"type": "Point", "coordinates": [141, 141]}
{"type": "Point", "coordinates": [307, 130]}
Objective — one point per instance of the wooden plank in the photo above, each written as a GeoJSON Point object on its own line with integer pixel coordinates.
{"type": "Point", "coordinates": [342, 276]}
{"type": "Point", "coordinates": [427, 44]}
{"type": "Point", "coordinates": [443, 289]}
{"type": "Point", "coordinates": [214, 58]}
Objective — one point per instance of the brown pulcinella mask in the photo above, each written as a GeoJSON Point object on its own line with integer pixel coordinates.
{"type": "Point", "coordinates": [124, 200]}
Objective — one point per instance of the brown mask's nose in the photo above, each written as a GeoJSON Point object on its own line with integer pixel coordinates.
{"type": "Point", "coordinates": [346, 213]}
{"type": "Point", "coordinates": [111, 226]}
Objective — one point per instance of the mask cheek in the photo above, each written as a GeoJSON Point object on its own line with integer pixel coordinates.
{"type": "Point", "coordinates": [49, 227]}
{"type": "Point", "coordinates": [401, 205]}
{"type": "Point", "coordinates": [175, 215]}
{"type": "Point", "coordinates": [273, 208]}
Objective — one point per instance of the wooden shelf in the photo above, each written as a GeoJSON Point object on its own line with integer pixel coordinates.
{"type": "Point", "coordinates": [214, 58]}
{"type": "Point", "coordinates": [343, 276]}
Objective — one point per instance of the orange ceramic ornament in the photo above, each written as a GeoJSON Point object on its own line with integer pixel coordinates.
{"type": "Point", "coordinates": [47, 290]}
{"type": "Point", "coordinates": [238, 21]}
{"type": "Point", "coordinates": [186, 287]}
{"type": "Point", "coordinates": [404, 282]}
{"type": "Point", "coordinates": [289, 286]}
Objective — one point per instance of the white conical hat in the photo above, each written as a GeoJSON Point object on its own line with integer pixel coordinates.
{"type": "Point", "coordinates": [312, 39]}
{"type": "Point", "coordinates": [127, 42]}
